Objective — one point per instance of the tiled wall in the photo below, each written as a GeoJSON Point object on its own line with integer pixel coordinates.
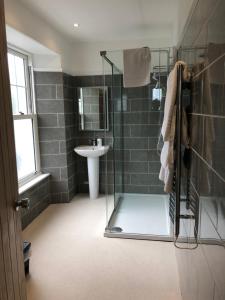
{"type": "Point", "coordinates": [136, 132]}
{"type": "Point", "coordinates": [141, 125]}
{"type": "Point", "coordinates": [202, 270]}
{"type": "Point", "coordinates": [71, 127]}
{"type": "Point", "coordinates": [39, 197]}
{"type": "Point", "coordinates": [57, 132]}
{"type": "Point", "coordinates": [135, 153]}
{"type": "Point", "coordinates": [84, 138]}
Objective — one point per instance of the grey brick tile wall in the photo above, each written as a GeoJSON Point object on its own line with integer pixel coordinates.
{"type": "Point", "coordinates": [136, 134]}
{"type": "Point", "coordinates": [207, 115]}
{"type": "Point", "coordinates": [135, 142]}
{"type": "Point", "coordinates": [55, 94]}
{"type": "Point", "coordinates": [39, 197]}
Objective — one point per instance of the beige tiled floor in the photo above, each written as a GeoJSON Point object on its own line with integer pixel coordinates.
{"type": "Point", "coordinates": [71, 260]}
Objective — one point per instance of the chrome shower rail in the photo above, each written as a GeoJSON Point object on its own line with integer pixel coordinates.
{"type": "Point", "coordinates": [103, 55]}
{"type": "Point", "coordinates": [152, 50]}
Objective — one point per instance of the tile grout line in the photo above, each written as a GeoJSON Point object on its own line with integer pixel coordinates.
{"type": "Point", "coordinates": [208, 165]}
{"type": "Point", "coordinates": [207, 115]}
{"type": "Point", "coordinates": [209, 66]}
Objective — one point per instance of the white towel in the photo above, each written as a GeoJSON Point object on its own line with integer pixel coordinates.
{"type": "Point", "coordinates": [136, 63]}
{"type": "Point", "coordinates": [167, 131]}
{"type": "Point", "coordinates": [169, 126]}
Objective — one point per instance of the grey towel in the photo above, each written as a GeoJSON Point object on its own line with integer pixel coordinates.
{"type": "Point", "coordinates": [136, 63]}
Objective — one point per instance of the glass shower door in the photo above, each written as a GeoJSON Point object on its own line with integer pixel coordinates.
{"type": "Point", "coordinates": [117, 128]}
{"type": "Point", "coordinates": [137, 207]}
{"type": "Point", "coordinates": [113, 167]}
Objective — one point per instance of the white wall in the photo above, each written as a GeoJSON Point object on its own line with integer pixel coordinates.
{"type": "Point", "coordinates": [42, 57]}
{"type": "Point", "coordinates": [184, 8]}
{"type": "Point", "coordinates": [87, 59]}
{"type": "Point", "coordinates": [86, 56]}
{"type": "Point", "coordinates": [47, 63]}
{"type": "Point", "coordinates": [24, 21]}
{"type": "Point", "coordinates": [83, 58]}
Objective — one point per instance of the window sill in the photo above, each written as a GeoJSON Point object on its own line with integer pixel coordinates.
{"type": "Point", "coordinates": [32, 183]}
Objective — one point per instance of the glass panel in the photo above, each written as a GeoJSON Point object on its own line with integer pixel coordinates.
{"type": "Point", "coordinates": [14, 100]}
{"type": "Point", "coordinates": [114, 158]}
{"type": "Point", "coordinates": [23, 130]}
{"type": "Point", "coordinates": [12, 69]}
{"type": "Point", "coordinates": [20, 75]}
{"type": "Point", "coordinates": [18, 83]}
{"type": "Point", "coordinates": [108, 158]}
{"type": "Point", "coordinates": [140, 205]}
{"type": "Point", "coordinates": [22, 100]}
{"type": "Point", "coordinates": [118, 133]}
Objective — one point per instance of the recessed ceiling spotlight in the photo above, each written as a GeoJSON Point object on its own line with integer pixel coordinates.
{"type": "Point", "coordinates": [76, 25]}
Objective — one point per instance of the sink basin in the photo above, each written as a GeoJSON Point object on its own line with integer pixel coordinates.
{"type": "Point", "coordinates": [92, 153]}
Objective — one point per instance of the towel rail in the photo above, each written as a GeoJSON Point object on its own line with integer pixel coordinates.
{"type": "Point", "coordinates": [177, 147]}
{"type": "Point", "coordinates": [175, 195]}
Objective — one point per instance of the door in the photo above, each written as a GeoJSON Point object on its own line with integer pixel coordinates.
{"type": "Point", "coordinates": [12, 279]}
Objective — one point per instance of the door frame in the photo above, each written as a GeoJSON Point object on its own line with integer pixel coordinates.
{"type": "Point", "coordinates": [12, 277]}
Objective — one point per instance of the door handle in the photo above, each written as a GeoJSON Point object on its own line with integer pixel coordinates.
{"type": "Point", "coordinates": [24, 203]}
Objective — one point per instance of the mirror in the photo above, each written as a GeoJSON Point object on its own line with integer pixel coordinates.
{"type": "Point", "coordinates": [93, 108]}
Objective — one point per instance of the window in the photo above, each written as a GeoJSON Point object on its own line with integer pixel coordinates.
{"type": "Point", "coordinates": [24, 115]}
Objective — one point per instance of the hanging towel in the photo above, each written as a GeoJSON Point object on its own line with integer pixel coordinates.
{"type": "Point", "coordinates": [169, 127]}
{"type": "Point", "coordinates": [136, 66]}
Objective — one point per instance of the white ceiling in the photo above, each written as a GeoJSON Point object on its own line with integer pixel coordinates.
{"type": "Point", "coordinates": [108, 20]}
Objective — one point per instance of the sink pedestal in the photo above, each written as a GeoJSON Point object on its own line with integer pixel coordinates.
{"type": "Point", "coordinates": [92, 153]}
{"type": "Point", "coordinates": [93, 176]}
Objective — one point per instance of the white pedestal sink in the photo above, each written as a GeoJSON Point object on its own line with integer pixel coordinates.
{"type": "Point", "coordinates": [92, 153]}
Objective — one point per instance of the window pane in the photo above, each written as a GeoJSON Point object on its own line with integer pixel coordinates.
{"type": "Point", "coordinates": [22, 100]}
{"type": "Point", "coordinates": [24, 147]}
{"type": "Point", "coordinates": [14, 100]}
{"type": "Point", "coordinates": [21, 104]}
{"type": "Point", "coordinates": [20, 75]}
{"type": "Point", "coordinates": [12, 68]}
{"type": "Point", "coordinates": [19, 84]}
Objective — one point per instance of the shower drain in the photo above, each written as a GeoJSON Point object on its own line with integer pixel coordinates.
{"type": "Point", "coordinates": [116, 229]}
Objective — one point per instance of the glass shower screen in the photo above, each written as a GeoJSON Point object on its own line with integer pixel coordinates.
{"type": "Point", "coordinates": [136, 205]}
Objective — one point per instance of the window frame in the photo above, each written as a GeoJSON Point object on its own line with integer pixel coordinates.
{"type": "Point", "coordinates": [31, 108]}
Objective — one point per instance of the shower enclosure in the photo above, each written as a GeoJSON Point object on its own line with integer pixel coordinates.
{"type": "Point", "coordinates": [136, 205]}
